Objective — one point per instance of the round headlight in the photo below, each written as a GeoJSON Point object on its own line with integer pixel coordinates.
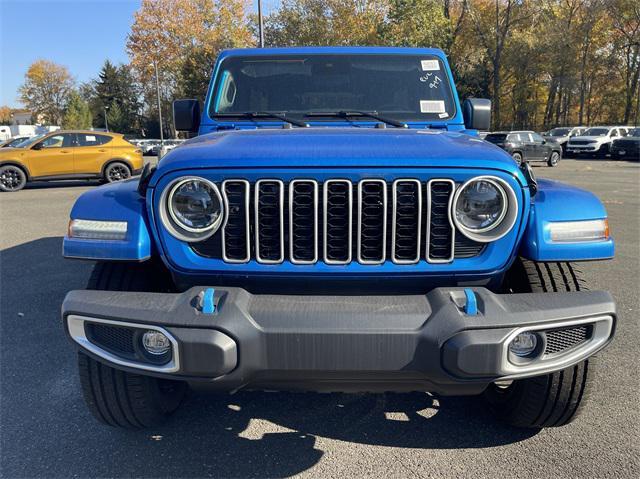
{"type": "Point", "coordinates": [484, 208]}
{"type": "Point", "coordinates": [195, 209]}
{"type": "Point", "coordinates": [481, 205]}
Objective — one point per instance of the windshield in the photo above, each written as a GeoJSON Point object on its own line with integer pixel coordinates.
{"type": "Point", "coordinates": [402, 87]}
{"type": "Point", "coordinates": [635, 132]}
{"type": "Point", "coordinates": [596, 132]}
{"type": "Point", "coordinates": [559, 132]}
{"type": "Point", "coordinates": [28, 142]}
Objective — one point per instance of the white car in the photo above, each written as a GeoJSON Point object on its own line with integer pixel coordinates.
{"type": "Point", "coordinates": [596, 140]}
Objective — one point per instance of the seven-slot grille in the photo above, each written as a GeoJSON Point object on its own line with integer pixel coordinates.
{"type": "Point", "coordinates": [370, 221]}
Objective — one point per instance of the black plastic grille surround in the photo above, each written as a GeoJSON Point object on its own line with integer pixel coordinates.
{"type": "Point", "coordinates": [561, 339]}
{"type": "Point", "coordinates": [338, 221]}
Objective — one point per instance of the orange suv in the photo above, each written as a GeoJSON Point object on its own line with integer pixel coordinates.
{"type": "Point", "coordinates": [63, 155]}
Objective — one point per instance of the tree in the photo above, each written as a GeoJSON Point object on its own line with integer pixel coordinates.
{"type": "Point", "coordinates": [419, 23]}
{"type": "Point", "coordinates": [5, 115]}
{"type": "Point", "coordinates": [183, 37]}
{"type": "Point", "coordinates": [46, 89]}
{"type": "Point", "coordinates": [77, 115]}
{"type": "Point", "coordinates": [115, 85]}
{"type": "Point", "coordinates": [327, 22]}
{"type": "Point", "coordinates": [116, 119]}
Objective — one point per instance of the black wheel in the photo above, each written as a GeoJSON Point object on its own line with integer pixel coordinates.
{"type": "Point", "coordinates": [553, 159]}
{"type": "Point", "coordinates": [517, 157]}
{"type": "Point", "coordinates": [119, 398]}
{"type": "Point", "coordinates": [116, 171]}
{"type": "Point", "coordinates": [12, 178]}
{"type": "Point", "coordinates": [603, 151]}
{"type": "Point", "coordinates": [554, 399]}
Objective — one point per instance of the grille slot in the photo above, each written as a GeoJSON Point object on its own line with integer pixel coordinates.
{"type": "Point", "coordinates": [337, 221]}
{"type": "Point", "coordinates": [236, 247]}
{"type": "Point", "coordinates": [303, 221]}
{"type": "Point", "coordinates": [406, 222]}
{"type": "Point", "coordinates": [559, 340]}
{"type": "Point", "coordinates": [440, 231]}
{"type": "Point", "coordinates": [269, 216]}
{"type": "Point", "coordinates": [372, 221]}
{"type": "Point", "coordinates": [116, 339]}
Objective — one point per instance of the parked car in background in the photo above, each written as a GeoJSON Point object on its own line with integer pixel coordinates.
{"type": "Point", "coordinates": [69, 155]}
{"type": "Point", "coordinates": [13, 142]}
{"type": "Point", "coordinates": [627, 147]}
{"type": "Point", "coordinates": [563, 134]}
{"type": "Point", "coordinates": [527, 146]}
{"type": "Point", "coordinates": [596, 141]}
{"type": "Point", "coordinates": [168, 146]}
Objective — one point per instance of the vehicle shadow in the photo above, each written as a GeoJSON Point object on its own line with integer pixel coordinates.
{"type": "Point", "coordinates": [48, 431]}
{"type": "Point", "coordinates": [41, 185]}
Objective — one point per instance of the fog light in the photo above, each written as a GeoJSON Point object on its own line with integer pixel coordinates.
{"type": "Point", "coordinates": [524, 344]}
{"type": "Point", "coordinates": [155, 342]}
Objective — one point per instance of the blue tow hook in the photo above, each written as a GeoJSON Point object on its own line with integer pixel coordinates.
{"type": "Point", "coordinates": [471, 305]}
{"type": "Point", "coordinates": [208, 301]}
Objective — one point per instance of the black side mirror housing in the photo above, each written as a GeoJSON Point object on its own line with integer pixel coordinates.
{"type": "Point", "coordinates": [477, 113]}
{"type": "Point", "coordinates": [186, 115]}
{"type": "Point", "coordinates": [37, 146]}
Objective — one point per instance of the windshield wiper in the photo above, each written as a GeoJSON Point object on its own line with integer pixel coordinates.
{"type": "Point", "coordinates": [351, 113]}
{"type": "Point", "coordinates": [263, 114]}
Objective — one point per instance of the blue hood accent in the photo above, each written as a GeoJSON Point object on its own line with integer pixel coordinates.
{"type": "Point", "coordinates": [336, 147]}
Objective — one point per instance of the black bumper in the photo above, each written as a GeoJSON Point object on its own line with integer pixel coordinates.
{"type": "Point", "coordinates": [347, 343]}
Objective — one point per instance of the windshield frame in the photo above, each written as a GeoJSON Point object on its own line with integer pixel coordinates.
{"type": "Point", "coordinates": [454, 116]}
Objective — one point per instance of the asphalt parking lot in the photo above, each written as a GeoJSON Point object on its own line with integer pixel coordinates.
{"type": "Point", "coordinates": [46, 430]}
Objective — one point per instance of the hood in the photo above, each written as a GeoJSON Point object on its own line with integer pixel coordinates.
{"type": "Point", "coordinates": [336, 147]}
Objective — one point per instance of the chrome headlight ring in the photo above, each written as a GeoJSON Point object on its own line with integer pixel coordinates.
{"type": "Point", "coordinates": [506, 220]}
{"type": "Point", "coordinates": [178, 228]}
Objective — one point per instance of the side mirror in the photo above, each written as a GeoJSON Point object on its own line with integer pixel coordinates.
{"type": "Point", "coordinates": [186, 115]}
{"type": "Point", "coordinates": [38, 146]}
{"type": "Point", "coordinates": [477, 113]}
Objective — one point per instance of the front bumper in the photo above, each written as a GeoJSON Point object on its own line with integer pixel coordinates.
{"type": "Point", "coordinates": [344, 343]}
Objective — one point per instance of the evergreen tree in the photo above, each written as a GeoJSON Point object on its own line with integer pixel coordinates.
{"type": "Point", "coordinates": [77, 115]}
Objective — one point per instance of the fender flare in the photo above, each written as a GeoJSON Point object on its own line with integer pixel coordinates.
{"type": "Point", "coordinates": [119, 201]}
{"type": "Point", "coordinates": [559, 202]}
{"type": "Point", "coordinates": [22, 166]}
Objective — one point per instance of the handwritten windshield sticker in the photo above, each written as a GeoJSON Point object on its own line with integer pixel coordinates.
{"type": "Point", "coordinates": [443, 115]}
{"type": "Point", "coordinates": [425, 78]}
{"type": "Point", "coordinates": [430, 65]}
{"type": "Point", "coordinates": [432, 106]}
{"type": "Point", "coordinates": [435, 83]}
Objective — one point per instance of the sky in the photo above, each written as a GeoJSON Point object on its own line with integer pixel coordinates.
{"type": "Point", "coordinates": [79, 34]}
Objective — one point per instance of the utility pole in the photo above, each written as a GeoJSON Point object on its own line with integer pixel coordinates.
{"type": "Point", "coordinates": [260, 24]}
{"type": "Point", "coordinates": [106, 125]}
{"type": "Point", "coordinates": [155, 66]}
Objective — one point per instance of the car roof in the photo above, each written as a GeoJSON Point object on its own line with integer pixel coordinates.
{"type": "Point", "coordinates": [330, 50]}
{"type": "Point", "coordinates": [88, 132]}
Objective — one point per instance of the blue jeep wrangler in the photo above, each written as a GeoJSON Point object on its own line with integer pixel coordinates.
{"type": "Point", "coordinates": [337, 225]}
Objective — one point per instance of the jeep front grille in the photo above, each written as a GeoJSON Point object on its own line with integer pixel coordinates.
{"type": "Point", "coordinates": [338, 221]}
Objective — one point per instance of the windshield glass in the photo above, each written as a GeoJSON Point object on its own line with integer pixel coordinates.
{"type": "Point", "coordinates": [596, 132]}
{"type": "Point", "coordinates": [634, 132]}
{"type": "Point", "coordinates": [28, 142]}
{"type": "Point", "coordinates": [402, 87]}
{"type": "Point", "coordinates": [559, 132]}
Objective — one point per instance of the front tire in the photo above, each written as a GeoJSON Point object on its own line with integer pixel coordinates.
{"type": "Point", "coordinates": [517, 157]}
{"type": "Point", "coordinates": [554, 399]}
{"type": "Point", "coordinates": [118, 398]}
{"type": "Point", "coordinates": [12, 178]}
{"type": "Point", "coordinates": [554, 159]}
{"type": "Point", "coordinates": [116, 171]}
